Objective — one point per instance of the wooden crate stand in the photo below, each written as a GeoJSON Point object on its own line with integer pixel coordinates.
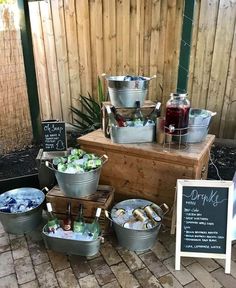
{"type": "Point", "coordinates": [147, 170]}
{"type": "Point", "coordinates": [103, 198]}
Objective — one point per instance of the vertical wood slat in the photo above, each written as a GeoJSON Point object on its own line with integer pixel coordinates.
{"type": "Point", "coordinates": [40, 61]}
{"type": "Point", "coordinates": [204, 49]}
{"type": "Point", "coordinates": [126, 36]}
{"type": "Point", "coordinates": [50, 51]}
{"type": "Point", "coordinates": [72, 51]}
{"type": "Point", "coordinates": [62, 56]}
{"type": "Point", "coordinates": [155, 43]}
{"type": "Point", "coordinates": [119, 38]}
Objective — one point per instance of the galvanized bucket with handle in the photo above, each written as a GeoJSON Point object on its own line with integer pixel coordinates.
{"type": "Point", "coordinates": [136, 240]}
{"type": "Point", "coordinates": [125, 93]}
{"type": "Point", "coordinates": [79, 184]}
{"type": "Point", "coordinates": [23, 222]}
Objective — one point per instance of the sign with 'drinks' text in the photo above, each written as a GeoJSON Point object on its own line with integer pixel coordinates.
{"type": "Point", "coordinates": [204, 217]}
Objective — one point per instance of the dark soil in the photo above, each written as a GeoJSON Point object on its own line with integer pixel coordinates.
{"type": "Point", "coordinates": [222, 164]}
{"type": "Point", "coordinates": [19, 163]}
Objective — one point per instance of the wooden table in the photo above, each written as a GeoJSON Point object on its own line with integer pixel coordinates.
{"type": "Point", "coordinates": [147, 170]}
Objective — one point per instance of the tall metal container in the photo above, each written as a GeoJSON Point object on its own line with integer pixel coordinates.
{"type": "Point", "coordinates": [25, 222]}
{"type": "Point", "coordinates": [125, 93]}
{"type": "Point", "coordinates": [136, 240]}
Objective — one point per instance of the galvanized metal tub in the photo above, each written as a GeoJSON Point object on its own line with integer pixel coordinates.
{"type": "Point", "coordinates": [136, 240]}
{"type": "Point", "coordinates": [125, 93]}
{"type": "Point", "coordinates": [126, 135]}
{"type": "Point", "coordinates": [25, 222]}
{"type": "Point", "coordinates": [71, 246]}
{"type": "Point", "coordinates": [79, 184]}
{"type": "Point", "coordinates": [196, 133]}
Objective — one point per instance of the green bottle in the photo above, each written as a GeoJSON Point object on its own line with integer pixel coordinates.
{"type": "Point", "coordinates": [53, 223]}
{"type": "Point", "coordinates": [94, 227]}
{"type": "Point", "coordinates": [79, 224]}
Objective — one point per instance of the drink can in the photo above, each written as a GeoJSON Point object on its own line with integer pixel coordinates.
{"type": "Point", "coordinates": [139, 214]}
{"type": "Point", "coordinates": [152, 214]}
{"type": "Point", "coordinates": [119, 212]}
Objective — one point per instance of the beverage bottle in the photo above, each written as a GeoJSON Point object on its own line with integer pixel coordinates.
{"type": "Point", "coordinates": [152, 214]}
{"type": "Point", "coordinates": [67, 222]}
{"type": "Point", "coordinates": [53, 223]}
{"type": "Point", "coordinates": [94, 227]}
{"type": "Point", "coordinates": [137, 115]}
{"type": "Point", "coordinates": [111, 117]}
{"type": "Point", "coordinates": [119, 118]}
{"type": "Point", "coordinates": [154, 114]}
{"type": "Point", "coordinates": [79, 224]}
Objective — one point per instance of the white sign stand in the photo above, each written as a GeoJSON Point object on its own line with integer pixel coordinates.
{"type": "Point", "coordinates": [208, 184]}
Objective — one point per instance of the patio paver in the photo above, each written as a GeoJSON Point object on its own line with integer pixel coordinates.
{"type": "Point", "coordinates": [26, 263]}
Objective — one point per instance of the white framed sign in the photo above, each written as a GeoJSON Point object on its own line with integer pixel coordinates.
{"type": "Point", "coordinates": [204, 220]}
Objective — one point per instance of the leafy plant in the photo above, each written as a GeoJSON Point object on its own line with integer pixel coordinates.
{"type": "Point", "coordinates": [89, 117]}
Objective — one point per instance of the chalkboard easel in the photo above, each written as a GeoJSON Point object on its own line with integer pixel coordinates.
{"type": "Point", "coordinates": [204, 220]}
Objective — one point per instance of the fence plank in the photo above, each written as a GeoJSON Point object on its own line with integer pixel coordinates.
{"type": "Point", "coordinates": [72, 51]}
{"type": "Point", "coordinates": [155, 43]}
{"type": "Point", "coordinates": [40, 61]}
{"type": "Point", "coordinates": [49, 42]}
{"type": "Point", "coordinates": [62, 57]}
{"type": "Point", "coordinates": [203, 60]}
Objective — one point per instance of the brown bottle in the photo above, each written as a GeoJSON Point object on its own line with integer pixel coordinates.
{"type": "Point", "coordinates": [67, 222]}
{"type": "Point", "coordinates": [119, 118]}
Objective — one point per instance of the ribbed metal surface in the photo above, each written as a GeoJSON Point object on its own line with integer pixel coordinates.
{"type": "Point", "coordinates": [135, 240]}
{"type": "Point", "coordinates": [70, 246]}
{"type": "Point", "coordinates": [133, 134]}
{"type": "Point", "coordinates": [20, 223]}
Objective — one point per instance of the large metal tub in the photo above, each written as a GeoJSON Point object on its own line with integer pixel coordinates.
{"type": "Point", "coordinates": [25, 222]}
{"type": "Point", "coordinates": [125, 93]}
{"type": "Point", "coordinates": [136, 240]}
{"type": "Point", "coordinates": [71, 246]}
{"type": "Point", "coordinates": [125, 135]}
{"type": "Point", "coordinates": [79, 184]}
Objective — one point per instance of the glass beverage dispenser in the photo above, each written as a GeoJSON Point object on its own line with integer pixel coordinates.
{"type": "Point", "coordinates": [177, 114]}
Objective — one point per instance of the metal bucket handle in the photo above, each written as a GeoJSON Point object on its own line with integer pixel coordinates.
{"type": "Point", "coordinates": [104, 158]}
{"type": "Point", "coordinates": [148, 78]}
{"type": "Point", "coordinates": [165, 207]}
{"type": "Point", "coordinates": [50, 166]}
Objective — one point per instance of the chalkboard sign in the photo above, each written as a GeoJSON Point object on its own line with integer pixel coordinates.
{"type": "Point", "coordinates": [204, 215]}
{"type": "Point", "coordinates": [54, 136]}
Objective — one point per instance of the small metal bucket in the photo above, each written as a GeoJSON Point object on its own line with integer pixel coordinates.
{"type": "Point", "coordinates": [79, 184]}
{"type": "Point", "coordinates": [136, 240]}
{"type": "Point", "coordinates": [125, 93]}
{"type": "Point", "coordinates": [126, 135]}
{"type": "Point", "coordinates": [25, 222]}
{"type": "Point", "coordinates": [71, 246]}
{"type": "Point", "coordinates": [199, 122]}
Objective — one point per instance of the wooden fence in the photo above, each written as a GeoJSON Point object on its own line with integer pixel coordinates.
{"type": "Point", "coordinates": [15, 124]}
{"type": "Point", "coordinates": [75, 41]}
